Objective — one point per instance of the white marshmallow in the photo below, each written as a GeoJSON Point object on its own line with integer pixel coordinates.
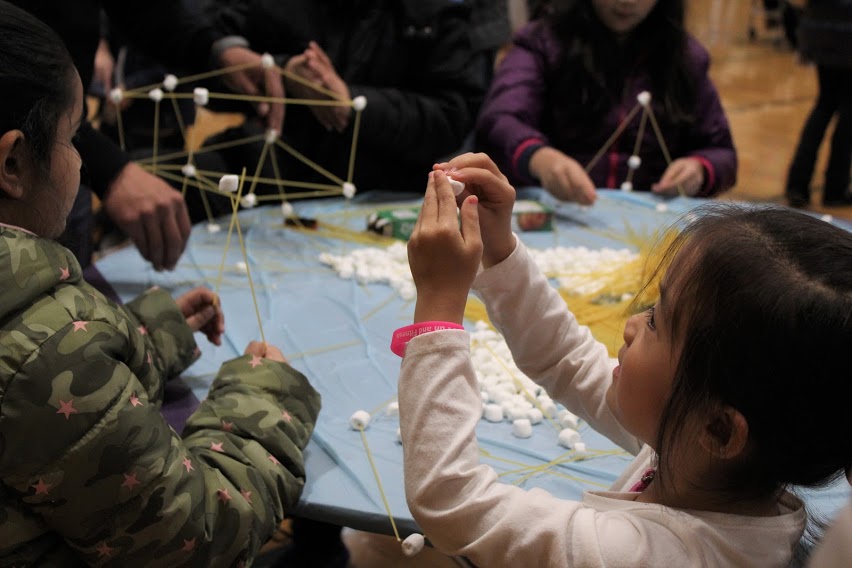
{"type": "Point", "coordinates": [568, 419]}
{"type": "Point", "coordinates": [170, 83]}
{"type": "Point", "coordinates": [662, 207]}
{"type": "Point", "coordinates": [627, 186]}
{"type": "Point", "coordinates": [392, 409]}
{"type": "Point", "coordinates": [155, 95]}
{"type": "Point", "coordinates": [500, 396]}
{"type": "Point", "coordinates": [458, 186]}
{"type": "Point", "coordinates": [188, 170]}
{"type": "Point", "coordinates": [360, 420]}
{"type": "Point", "coordinates": [271, 136]}
{"type": "Point", "coordinates": [568, 437]}
{"type": "Point", "coordinates": [249, 200]}
{"type": "Point", "coordinates": [827, 218]}
{"type": "Point", "coordinates": [359, 103]}
{"type": "Point", "coordinates": [229, 183]}
{"type": "Point", "coordinates": [116, 95]}
{"type": "Point", "coordinates": [242, 267]}
{"type": "Point", "coordinates": [580, 450]}
{"type": "Point", "coordinates": [287, 209]}
{"type": "Point", "coordinates": [213, 228]}
{"type": "Point", "coordinates": [493, 413]}
{"type": "Point", "coordinates": [267, 61]}
{"type": "Point", "coordinates": [535, 416]}
{"type": "Point", "coordinates": [644, 98]}
{"type": "Point", "coordinates": [548, 407]}
{"type": "Point", "coordinates": [485, 396]}
{"type": "Point", "coordinates": [633, 162]}
{"type": "Point", "coordinates": [413, 544]}
{"type": "Point", "coordinates": [201, 96]}
{"type": "Point", "coordinates": [521, 428]}
{"type": "Point", "coordinates": [349, 190]}
{"type": "Point", "coordinates": [514, 413]}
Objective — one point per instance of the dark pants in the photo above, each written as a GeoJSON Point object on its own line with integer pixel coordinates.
{"type": "Point", "coordinates": [835, 97]}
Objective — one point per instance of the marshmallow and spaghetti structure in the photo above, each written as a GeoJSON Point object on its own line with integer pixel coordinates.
{"type": "Point", "coordinates": [643, 105]}
{"type": "Point", "coordinates": [190, 176]}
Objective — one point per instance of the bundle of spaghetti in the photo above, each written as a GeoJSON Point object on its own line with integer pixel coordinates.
{"type": "Point", "coordinates": [625, 290]}
{"type": "Point", "coordinates": [339, 232]}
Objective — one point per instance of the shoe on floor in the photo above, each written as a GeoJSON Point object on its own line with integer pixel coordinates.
{"type": "Point", "coordinates": [798, 199]}
{"type": "Point", "coordinates": [842, 200]}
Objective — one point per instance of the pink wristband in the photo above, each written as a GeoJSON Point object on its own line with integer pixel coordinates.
{"type": "Point", "coordinates": [403, 335]}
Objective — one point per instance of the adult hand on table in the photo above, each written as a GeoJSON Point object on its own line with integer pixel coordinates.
{"type": "Point", "coordinates": [688, 173]}
{"type": "Point", "coordinates": [201, 309]}
{"type": "Point", "coordinates": [315, 66]}
{"type": "Point", "coordinates": [562, 176]}
{"type": "Point", "coordinates": [496, 196]}
{"type": "Point", "coordinates": [151, 213]}
{"type": "Point", "coordinates": [255, 81]}
{"type": "Point", "coordinates": [266, 351]}
{"type": "Point", "coordinates": [443, 257]}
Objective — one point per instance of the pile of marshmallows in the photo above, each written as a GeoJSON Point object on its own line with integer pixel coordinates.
{"type": "Point", "coordinates": [574, 267]}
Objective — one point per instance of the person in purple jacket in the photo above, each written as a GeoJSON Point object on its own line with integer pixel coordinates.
{"type": "Point", "coordinates": [573, 75]}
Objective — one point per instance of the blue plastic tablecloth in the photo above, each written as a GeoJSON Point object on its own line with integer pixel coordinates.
{"type": "Point", "coordinates": [338, 331]}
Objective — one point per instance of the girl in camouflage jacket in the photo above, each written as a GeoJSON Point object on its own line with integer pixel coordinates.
{"type": "Point", "coordinates": [90, 472]}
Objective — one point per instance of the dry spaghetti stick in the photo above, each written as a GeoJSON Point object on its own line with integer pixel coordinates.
{"type": "Point", "coordinates": [642, 122]}
{"type": "Point", "coordinates": [319, 169]}
{"type": "Point", "coordinates": [199, 77]}
{"type": "Point", "coordinates": [662, 142]}
{"type": "Point", "coordinates": [379, 483]}
{"type": "Point", "coordinates": [612, 138]}
{"type": "Point", "coordinates": [354, 147]}
{"type": "Point", "coordinates": [234, 209]}
{"type": "Point", "coordinates": [246, 259]}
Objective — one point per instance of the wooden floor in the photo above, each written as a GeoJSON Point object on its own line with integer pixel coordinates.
{"type": "Point", "coordinates": [767, 94]}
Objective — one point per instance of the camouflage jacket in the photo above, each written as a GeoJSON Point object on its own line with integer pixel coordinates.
{"type": "Point", "coordinates": [90, 473]}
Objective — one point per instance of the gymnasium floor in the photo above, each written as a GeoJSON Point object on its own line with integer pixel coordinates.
{"type": "Point", "coordinates": [767, 94]}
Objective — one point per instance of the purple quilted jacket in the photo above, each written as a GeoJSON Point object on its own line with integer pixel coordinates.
{"type": "Point", "coordinates": [518, 118]}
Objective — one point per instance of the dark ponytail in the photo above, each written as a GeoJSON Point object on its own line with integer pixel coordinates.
{"type": "Point", "coordinates": [35, 80]}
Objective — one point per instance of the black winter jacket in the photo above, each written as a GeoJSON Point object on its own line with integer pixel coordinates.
{"type": "Point", "coordinates": [412, 59]}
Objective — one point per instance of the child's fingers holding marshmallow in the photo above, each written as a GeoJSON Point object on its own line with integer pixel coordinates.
{"type": "Point", "coordinates": [443, 261]}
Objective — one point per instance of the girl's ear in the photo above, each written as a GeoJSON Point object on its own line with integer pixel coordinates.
{"type": "Point", "coordinates": [12, 164]}
{"type": "Point", "coordinates": [725, 435]}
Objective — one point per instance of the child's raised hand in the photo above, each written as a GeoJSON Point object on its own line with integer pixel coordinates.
{"type": "Point", "coordinates": [562, 176]}
{"type": "Point", "coordinates": [483, 179]}
{"type": "Point", "coordinates": [443, 257]}
{"type": "Point", "coordinates": [203, 313]}
{"type": "Point", "coordinates": [265, 351]}
{"type": "Point", "coordinates": [688, 173]}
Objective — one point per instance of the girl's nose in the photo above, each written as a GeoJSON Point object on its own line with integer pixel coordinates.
{"type": "Point", "coordinates": [630, 328]}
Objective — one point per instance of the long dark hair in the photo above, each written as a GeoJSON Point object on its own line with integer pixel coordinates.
{"type": "Point", "coordinates": [594, 65]}
{"type": "Point", "coordinates": [763, 311]}
{"type": "Point", "coordinates": [36, 74]}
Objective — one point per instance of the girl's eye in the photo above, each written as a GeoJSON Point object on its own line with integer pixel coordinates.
{"type": "Point", "coordinates": [649, 315]}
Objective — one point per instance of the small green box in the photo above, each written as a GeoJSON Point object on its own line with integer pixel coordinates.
{"type": "Point", "coordinates": [396, 223]}
{"type": "Point", "coordinates": [530, 215]}
{"type": "Point", "coordinates": [399, 223]}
